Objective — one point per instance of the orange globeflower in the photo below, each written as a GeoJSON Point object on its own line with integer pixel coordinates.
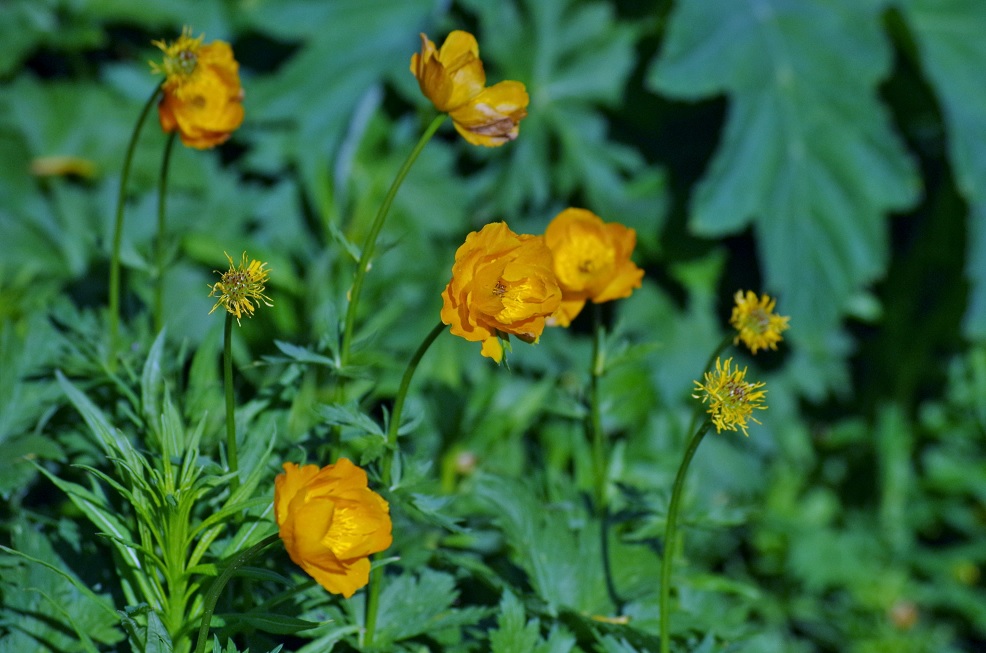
{"type": "Point", "coordinates": [592, 261]}
{"type": "Point", "coordinates": [454, 80]}
{"type": "Point", "coordinates": [202, 97]}
{"type": "Point", "coordinates": [331, 522]}
{"type": "Point", "coordinates": [502, 284]}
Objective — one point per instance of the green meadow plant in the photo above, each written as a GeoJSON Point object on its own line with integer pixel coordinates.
{"type": "Point", "coordinates": [448, 428]}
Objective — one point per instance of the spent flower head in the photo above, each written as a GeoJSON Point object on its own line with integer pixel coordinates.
{"type": "Point", "coordinates": [452, 77]}
{"type": "Point", "coordinates": [754, 318]}
{"type": "Point", "coordinates": [241, 288]}
{"type": "Point", "coordinates": [731, 398]}
{"type": "Point", "coordinates": [180, 56]}
{"type": "Point", "coordinates": [201, 95]}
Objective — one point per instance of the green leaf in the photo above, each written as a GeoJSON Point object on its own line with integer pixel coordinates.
{"type": "Point", "coordinates": [949, 38]}
{"type": "Point", "coordinates": [150, 638]}
{"type": "Point", "coordinates": [46, 599]}
{"type": "Point", "coordinates": [415, 604]}
{"type": "Point", "coordinates": [514, 634]}
{"type": "Point", "coordinates": [152, 383]}
{"type": "Point", "coordinates": [808, 154]}
{"type": "Point", "coordinates": [274, 623]}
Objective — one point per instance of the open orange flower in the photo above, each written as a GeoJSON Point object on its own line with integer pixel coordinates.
{"type": "Point", "coordinates": [202, 97]}
{"type": "Point", "coordinates": [502, 284]}
{"type": "Point", "coordinates": [454, 80]}
{"type": "Point", "coordinates": [592, 261]}
{"type": "Point", "coordinates": [331, 522]}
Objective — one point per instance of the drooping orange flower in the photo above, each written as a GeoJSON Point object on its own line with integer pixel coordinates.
{"type": "Point", "coordinates": [756, 324]}
{"type": "Point", "coordinates": [331, 522]}
{"type": "Point", "coordinates": [502, 284]}
{"type": "Point", "coordinates": [454, 80]}
{"type": "Point", "coordinates": [592, 261]}
{"type": "Point", "coordinates": [201, 97]}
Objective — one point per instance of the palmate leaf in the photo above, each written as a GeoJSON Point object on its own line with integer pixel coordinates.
{"type": "Point", "coordinates": [949, 38]}
{"type": "Point", "coordinates": [808, 154]}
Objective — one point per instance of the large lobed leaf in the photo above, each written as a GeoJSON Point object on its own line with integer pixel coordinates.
{"type": "Point", "coordinates": [949, 37]}
{"type": "Point", "coordinates": [808, 154]}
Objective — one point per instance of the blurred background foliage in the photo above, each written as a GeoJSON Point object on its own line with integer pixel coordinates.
{"type": "Point", "coordinates": [829, 152]}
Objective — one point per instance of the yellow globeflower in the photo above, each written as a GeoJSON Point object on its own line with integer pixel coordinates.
{"type": "Point", "coordinates": [731, 398]}
{"type": "Point", "coordinates": [758, 326]}
{"type": "Point", "coordinates": [592, 261]}
{"type": "Point", "coordinates": [331, 522]}
{"type": "Point", "coordinates": [202, 97]}
{"type": "Point", "coordinates": [240, 288]}
{"type": "Point", "coordinates": [454, 80]}
{"type": "Point", "coordinates": [502, 284]}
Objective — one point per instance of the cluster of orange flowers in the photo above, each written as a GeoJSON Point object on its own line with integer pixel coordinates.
{"type": "Point", "coordinates": [507, 284]}
{"type": "Point", "coordinates": [503, 284]}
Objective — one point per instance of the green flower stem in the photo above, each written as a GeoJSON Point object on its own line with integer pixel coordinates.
{"type": "Point", "coordinates": [376, 574]}
{"type": "Point", "coordinates": [372, 603]}
{"type": "Point", "coordinates": [121, 201]}
{"type": "Point", "coordinates": [162, 194]}
{"type": "Point", "coordinates": [595, 424]}
{"type": "Point", "coordinates": [709, 364]}
{"type": "Point", "coordinates": [234, 462]}
{"type": "Point", "coordinates": [371, 238]}
{"type": "Point", "coordinates": [217, 586]}
{"type": "Point", "coordinates": [395, 415]}
{"type": "Point", "coordinates": [670, 532]}
{"type": "Point", "coordinates": [600, 465]}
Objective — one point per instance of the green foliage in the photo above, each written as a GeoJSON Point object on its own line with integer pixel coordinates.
{"type": "Point", "coordinates": [829, 152]}
{"type": "Point", "coordinates": [808, 153]}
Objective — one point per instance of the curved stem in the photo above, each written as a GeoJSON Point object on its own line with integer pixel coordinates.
{"type": "Point", "coordinates": [376, 575]}
{"type": "Point", "coordinates": [162, 195]}
{"type": "Point", "coordinates": [217, 586]}
{"type": "Point", "coordinates": [371, 238]}
{"type": "Point", "coordinates": [728, 340]}
{"type": "Point", "coordinates": [595, 424]}
{"type": "Point", "coordinates": [395, 415]}
{"type": "Point", "coordinates": [121, 201]}
{"type": "Point", "coordinates": [234, 462]}
{"type": "Point", "coordinates": [670, 529]}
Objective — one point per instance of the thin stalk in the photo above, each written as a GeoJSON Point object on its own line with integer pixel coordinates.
{"type": "Point", "coordinates": [234, 462]}
{"type": "Point", "coordinates": [376, 574]}
{"type": "Point", "coordinates": [599, 455]}
{"type": "Point", "coordinates": [371, 238]}
{"type": "Point", "coordinates": [121, 201]}
{"type": "Point", "coordinates": [217, 586]}
{"type": "Point", "coordinates": [670, 531]}
{"type": "Point", "coordinates": [595, 424]}
{"type": "Point", "coordinates": [395, 415]}
{"type": "Point", "coordinates": [162, 195]}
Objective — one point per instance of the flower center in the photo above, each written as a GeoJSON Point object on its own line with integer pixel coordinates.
{"type": "Point", "coordinates": [587, 266]}
{"type": "Point", "coordinates": [180, 57]}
